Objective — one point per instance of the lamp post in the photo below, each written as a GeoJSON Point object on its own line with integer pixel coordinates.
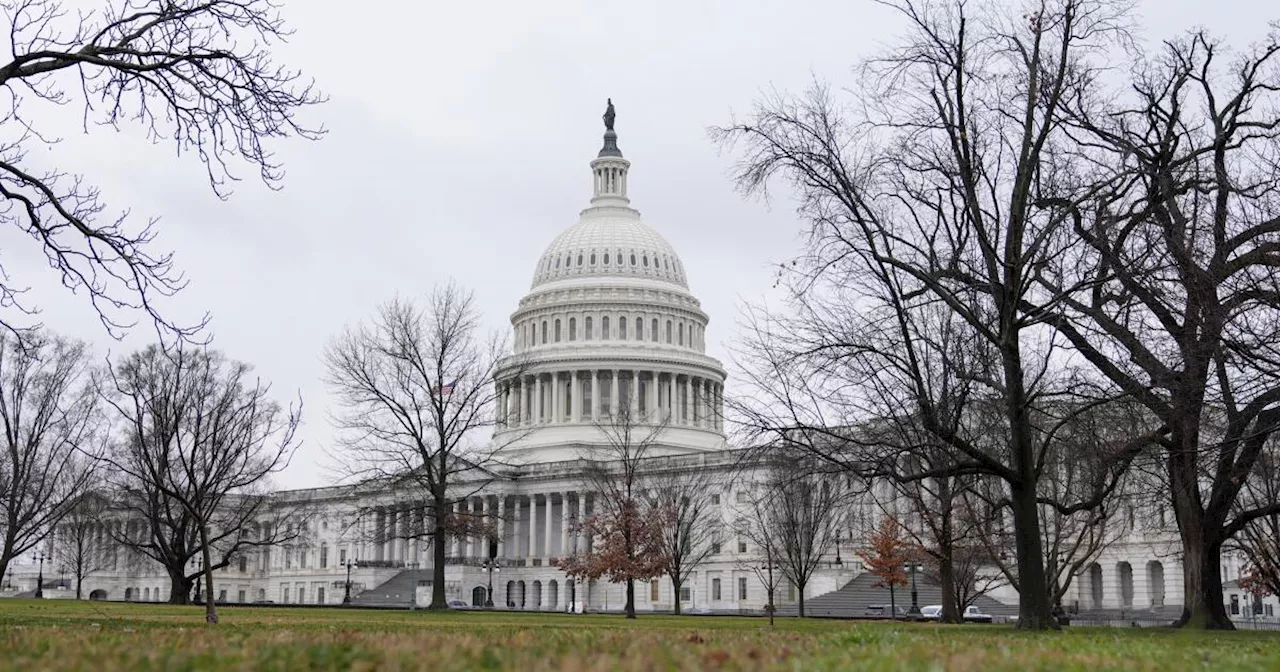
{"type": "Point", "coordinates": [839, 562]}
{"type": "Point", "coordinates": [199, 577]}
{"type": "Point", "coordinates": [915, 597]}
{"type": "Point", "coordinates": [40, 557]}
{"type": "Point", "coordinates": [491, 565]}
{"type": "Point", "coordinates": [346, 593]}
{"type": "Point", "coordinates": [769, 568]}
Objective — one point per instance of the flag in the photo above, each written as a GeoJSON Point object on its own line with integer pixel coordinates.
{"type": "Point", "coordinates": [446, 389]}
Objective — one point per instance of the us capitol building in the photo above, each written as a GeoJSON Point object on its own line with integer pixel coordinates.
{"type": "Point", "coordinates": [609, 321]}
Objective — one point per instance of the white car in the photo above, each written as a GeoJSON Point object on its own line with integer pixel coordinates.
{"type": "Point", "coordinates": [932, 612]}
{"type": "Point", "coordinates": [458, 604]}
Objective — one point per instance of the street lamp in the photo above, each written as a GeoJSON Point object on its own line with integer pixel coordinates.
{"type": "Point", "coordinates": [199, 577]}
{"type": "Point", "coordinates": [839, 562]}
{"type": "Point", "coordinates": [346, 594]}
{"type": "Point", "coordinates": [915, 598]}
{"type": "Point", "coordinates": [491, 565]}
{"type": "Point", "coordinates": [40, 557]}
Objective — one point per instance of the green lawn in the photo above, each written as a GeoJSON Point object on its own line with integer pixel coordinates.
{"type": "Point", "coordinates": [99, 636]}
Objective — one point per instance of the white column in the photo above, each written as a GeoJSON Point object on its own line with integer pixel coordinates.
{"type": "Point", "coordinates": [613, 397]}
{"type": "Point", "coordinates": [547, 545]}
{"type": "Point", "coordinates": [706, 403]}
{"type": "Point", "coordinates": [502, 526]}
{"type": "Point", "coordinates": [533, 525]}
{"type": "Point", "coordinates": [524, 400]}
{"type": "Point", "coordinates": [671, 398]}
{"type": "Point", "coordinates": [578, 543]}
{"type": "Point", "coordinates": [556, 406]}
{"type": "Point", "coordinates": [565, 522]}
{"type": "Point", "coordinates": [655, 396]}
{"type": "Point", "coordinates": [688, 398]}
{"type": "Point", "coordinates": [595, 394]}
{"type": "Point", "coordinates": [634, 401]}
{"type": "Point", "coordinates": [538, 417]}
{"type": "Point", "coordinates": [515, 527]}
{"type": "Point", "coordinates": [575, 399]}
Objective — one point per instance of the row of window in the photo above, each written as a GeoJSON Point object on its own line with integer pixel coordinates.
{"type": "Point", "coordinates": [550, 331]}
{"type": "Point", "coordinates": [686, 591]}
{"type": "Point", "coordinates": [659, 262]}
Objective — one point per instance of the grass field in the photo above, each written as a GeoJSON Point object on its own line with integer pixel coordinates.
{"type": "Point", "coordinates": [65, 635]}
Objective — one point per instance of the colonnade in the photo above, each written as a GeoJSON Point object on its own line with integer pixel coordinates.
{"type": "Point", "coordinates": [525, 530]}
{"type": "Point", "coordinates": [598, 394]}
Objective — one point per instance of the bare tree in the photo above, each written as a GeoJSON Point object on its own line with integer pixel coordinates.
{"type": "Point", "coordinates": [630, 532]}
{"type": "Point", "coordinates": [1179, 238]}
{"type": "Point", "coordinates": [758, 523]}
{"type": "Point", "coordinates": [417, 389]}
{"type": "Point", "coordinates": [691, 524]}
{"type": "Point", "coordinates": [802, 509]}
{"type": "Point", "coordinates": [196, 73]}
{"type": "Point", "coordinates": [78, 542]}
{"type": "Point", "coordinates": [920, 197]}
{"type": "Point", "coordinates": [49, 411]}
{"type": "Point", "coordinates": [1259, 540]}
{"type": "Point", "coordinates": [199, 438]}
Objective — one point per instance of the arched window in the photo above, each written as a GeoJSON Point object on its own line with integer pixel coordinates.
{"type": "Point", "coordinates": [606, 259]}
{"type": "Point", "coordinates": [579, 258]}
{"type": "Point", "coordinates": [668, 332]}
{"type": "Point", "coordinates": [633, 258]}
{"type": "Point", "coordinates": [679, 331]}
{"type": "Point", "coordinates": [573, 329]}
{"type": "Point", "coordinates": [557, 330]}
{"type": "Point", "coordinates": [587, 326]}
{"type": "Point", "coordinates": [644, 259]}
{"type": "Point", "coordinates": [622, 328]}
{"type": "Point", "coordinates": [619, 258]}
{"type": "Point", "coordinates": [544, 332]}
{"type": "Point", "coordinates": [557, 262]}
{"type": "Point", "coordinates": [653, 330]}
{"type": "Point", "coordinates": [593, 258]}
{"type": "Point", "coordinates": [639, 329]}
{"type": "Point", "coordinates": [604, 328]}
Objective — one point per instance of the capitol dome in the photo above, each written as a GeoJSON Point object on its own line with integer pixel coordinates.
{"type": "Point", "coordinates": [608, 333]}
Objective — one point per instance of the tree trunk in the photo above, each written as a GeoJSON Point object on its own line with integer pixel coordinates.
{"type": "Point", "coordinates": [947, 582]}
{"type": "Point", "coordinates": [1033, 608]}
{"type": "Point", "coordinates": [631, 598]}
{"type": "Point", "coordinates": [439, 542]}
{"type": "Point", "coordinates": [1202, 599]}
{"type": "Point", "coordinates": [675, 581]}
{"type": "Point", "coordinates": [800, 589]}
{"type": "Point", "coordinates": [179, 586]}
{"type": "Point", "coordinates": [79, 586]}
{"type": "Point", "coordinates": [893, 603]}
{"type": "Point", "coordinates": [210, 609]}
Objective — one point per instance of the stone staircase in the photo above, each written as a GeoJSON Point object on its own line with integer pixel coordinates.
{"type": "Point", "coordinates": [853, 598]}
{"type": "Point", "coordinates": [394, 593]}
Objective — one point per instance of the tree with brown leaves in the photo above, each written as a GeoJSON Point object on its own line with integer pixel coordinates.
{"type": "Point", "coordinates": [887, 553]}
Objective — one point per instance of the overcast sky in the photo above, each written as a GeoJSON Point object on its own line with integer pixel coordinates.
{"type": "Point", "coordinates": [459, 138]}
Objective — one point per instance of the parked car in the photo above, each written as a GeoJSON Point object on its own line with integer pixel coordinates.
{"type": "Point", "coordinates": [972, 614]}
{"type": "Point", "coordinates": [458, 604]}
{"type": "Point", "coordinates": [882, 611]}
{"type": "Point", "coordinates": [932, 612]}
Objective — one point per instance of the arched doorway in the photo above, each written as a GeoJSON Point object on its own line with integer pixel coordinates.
{"type": "Point", "coordinates": [1095, 585]}
{"type": "Point", "coordinates": [521, 594]}
{"type": "Point", "coordinates": [570, 595]}
{"type": "Point", "coordinates": [1125, 572]}
{"type": "Point", "coordinates": [1155, 582]}
{"type": "Point", "coordinates": [128, 594]}
{"type": "Point", "coordinates": [511, 594]}
{"type": "Point", "coordinates": [535, 601]}
{"type": "Point", "coordinates": [146, 594]}
{"type": "Point", "coordinates": [477, 596]}
{"type": "Point", "coordinates": [553, 594]}
{"type": "Point", "coordinates": [97, 595]}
